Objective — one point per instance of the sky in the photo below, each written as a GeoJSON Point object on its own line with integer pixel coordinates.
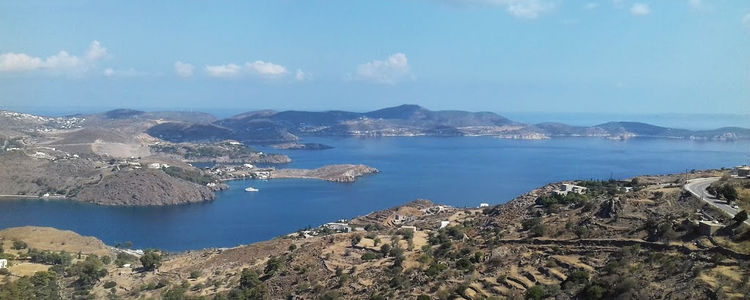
{"type": "Point", "coordinates": [551, 56]}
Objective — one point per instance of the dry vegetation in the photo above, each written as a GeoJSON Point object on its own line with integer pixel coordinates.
{"type": "Point", "coordinates": [608, 244]}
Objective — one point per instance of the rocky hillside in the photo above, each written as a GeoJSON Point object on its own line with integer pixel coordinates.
{"type": "Point", "coordinates": [635, 239]}
{"type": "Point", "coordinates": [144, 188]}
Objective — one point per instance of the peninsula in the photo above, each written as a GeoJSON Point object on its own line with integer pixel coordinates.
{"type": "Point", "coordinates": [110, 159]}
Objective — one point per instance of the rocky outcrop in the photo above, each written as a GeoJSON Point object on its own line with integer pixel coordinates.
{"type": "Point", "coordinates": [333, 173]}
{"type": "Point", "coordinates": [301, 146]}
{"type": "Point", "coordinates": [610, 208]}
{"type": "Point", "coordinates": [143, 188]}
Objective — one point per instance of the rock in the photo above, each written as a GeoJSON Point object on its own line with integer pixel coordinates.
{"type": "Point", "coordinates": [333, 173]}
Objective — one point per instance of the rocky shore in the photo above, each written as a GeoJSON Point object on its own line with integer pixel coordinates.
{"type": "Point", "coordinates": [301, 146]}
{"type": "Point", "coordinates": [333, 173]}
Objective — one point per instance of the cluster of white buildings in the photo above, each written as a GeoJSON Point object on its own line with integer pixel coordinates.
{"type": "Point", "coordinates": [434, 210]}
{"type": "Point", "coordinates": [570, 188]}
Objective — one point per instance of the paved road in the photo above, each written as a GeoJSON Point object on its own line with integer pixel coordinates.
{"type": "Point", "coordinates": [698, 188]}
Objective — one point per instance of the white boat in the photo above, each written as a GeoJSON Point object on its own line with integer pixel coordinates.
{"type": "Point", "coordinates": [251, 189]}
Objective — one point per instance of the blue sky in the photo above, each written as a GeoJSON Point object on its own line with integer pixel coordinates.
{"type": "Point", "coordinates": [492, 55]}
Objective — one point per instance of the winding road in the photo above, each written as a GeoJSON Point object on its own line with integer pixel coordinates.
{"type": "Point", "coordinates": [697, 187]}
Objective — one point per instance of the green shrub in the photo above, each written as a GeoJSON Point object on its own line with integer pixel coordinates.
{"type": "Point", "coordinates": [195, 274]}
{"type": "Point", "coordinates": [19, 245]}
{"type": "Point", "coordinates": [370, 256]}
{"type": "Point", "coordinates": [435, 269]}
{"type": "Point", "coordinates": [109, 284]}
{"type": "Point", "coordinates": [151, 260]}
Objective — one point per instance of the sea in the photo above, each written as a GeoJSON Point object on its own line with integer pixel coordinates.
{"type": "Point", "coordinates": [457, 171]}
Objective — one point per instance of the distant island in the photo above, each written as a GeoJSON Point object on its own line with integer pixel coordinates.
{"type": "Point", "coordinates": [271, 127]}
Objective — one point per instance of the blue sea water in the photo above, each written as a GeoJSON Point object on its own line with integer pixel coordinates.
{"type": "Point", "coordinates": [459, 171]}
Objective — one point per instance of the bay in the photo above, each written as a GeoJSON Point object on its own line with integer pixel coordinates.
{"type": "Point", "coordinates": [458, 171]}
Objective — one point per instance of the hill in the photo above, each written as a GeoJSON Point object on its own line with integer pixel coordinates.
{"type": "Point", "coordinates": [269, 127]}
{"type": "Point", "coordinates": [635, 239]}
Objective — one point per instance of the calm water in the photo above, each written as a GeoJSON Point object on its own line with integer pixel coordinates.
{"type": "Point", "coordinates": [457, 171]}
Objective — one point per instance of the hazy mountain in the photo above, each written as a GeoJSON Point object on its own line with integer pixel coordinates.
{"type": "Point", "coordinates": [268, 127]}
{"type": "Point", "coordinates": [410, 120]}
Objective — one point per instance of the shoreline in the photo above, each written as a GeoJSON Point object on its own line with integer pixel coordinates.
{"type": "Point", "coordinates": [33, 197]}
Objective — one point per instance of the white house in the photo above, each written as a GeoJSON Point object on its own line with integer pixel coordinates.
{"type": "Point", "coordinates": [742, 171]}
{"type": "Point", "coordinates": [444, 224]}
{"type": "Point", "coordinates": [344, 227]}
{"type": "Point", "coordinates": [484, 205]}
{"type": "Point", "coordinates": [568, 188]}
{"type": "Point", "coordinates": [3, 263]}
{"type": "Point", "coordinates": [409, 227]}
{"type": "Point", "coordinates": [154, 166]}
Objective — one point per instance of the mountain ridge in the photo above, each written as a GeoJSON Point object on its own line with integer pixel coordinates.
{"type": "Point", "coordinates": [272, 127]}
{"type": "Point", "coordinates": [268, 126]}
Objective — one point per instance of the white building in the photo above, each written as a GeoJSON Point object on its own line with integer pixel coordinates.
{"type": "Point", "coordinates": [444, 224]}
{"type": "Point", "coordinates": [484, 205]}
{"type": "Point", "coordinates": [3, 263]}
{"type": "Point", "coordinates": [409, 227]}
{"type": "Point", "coordinates": [343, 227]}
{"type": "Point", "coordinates": [568, 188]}
{"type": "Point", "coordinates": [154, 166]}
{"type": "Point", "coordinates": [741, 171]}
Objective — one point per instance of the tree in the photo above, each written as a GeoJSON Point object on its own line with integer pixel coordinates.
{"type": "Point", "coordinates": [385, 249]}
{"type": "Point", "coordinates": [356, 239]}
{"type": "Point", "coordinates": [18, 245]}
{"type": "Point", "coordinates": [151, 260]}
{"type": "Point", "coordinates": [88, 272]}
{"type": "Point", "coordinates": [249, 279]}
{"type": "Point", "coordinates": [727, 192]}
{"type": "Point", "coordinates": [272, 266]}
{"type": "Point", "coordinates": [250, 287]}
{"type": "Point", "coordinates": [535, 292]}
{"type": "Point", "coordinates": [42, 285]}
{"type": "Point", "coordinates": [740, 216]}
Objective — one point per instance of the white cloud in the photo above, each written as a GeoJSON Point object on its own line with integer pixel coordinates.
{"type": "Point", "coordinates": [257, 68]}
{"type": "Point", "coordinates": [96, 51]}
{"type": "Point", "coordinates": [591, 6]}
{"type": "Point", "coordinates": [525, 9]}
{"type": "Point", "coordinates": [17, 62]}
{"type": "Point", "coordinates": [528, 9]}
{"type": "Point", "coordinates": [229, 70]}
{"type": "Point", "coordinates": [62, 61]}
{"type": "Point", "coordinates": [389, 71]}
{"type": "Point", "coordinates": [265, 68]}
{"type": "Point", "coordinates": [746, 21]}
{"type": "Point", "coordinates": [640, 9]}
{"type": "Point", "coordinates": [183, 69]}
{"type": "Point", "coordinates": [300, 75]}
{"type": "Point", "coordinates": [109, 72]}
